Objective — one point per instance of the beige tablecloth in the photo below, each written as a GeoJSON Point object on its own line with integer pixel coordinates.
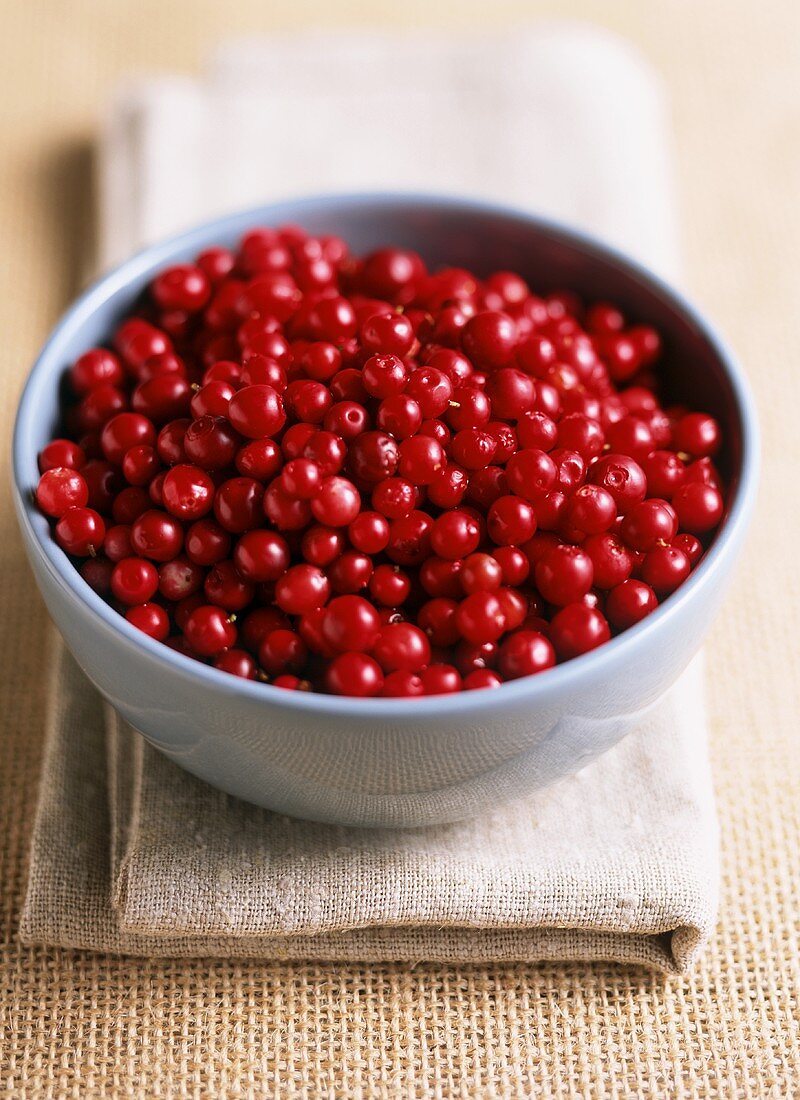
{"type": "Point", "coordinates": [83, 1025]}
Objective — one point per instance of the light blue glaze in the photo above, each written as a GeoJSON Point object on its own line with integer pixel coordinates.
{"type": "Point", "coordinates": [395, 762]}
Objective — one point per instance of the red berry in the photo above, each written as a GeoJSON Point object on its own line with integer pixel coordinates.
{"type": "Point", "coordinates": [187, 492]}
{"type": "Point", "coordinates": [629, 602]}
{"type": "Point", "coordinates": [301, 589]}
{"type": "Point", "coordinates": [59, 489]}
{"type": "Point", "coordinates": [564, 574]}
{"type": "Point", "coordinates": [576, 629]}
{"type": "Point", "coordinates": [699, 507]}
{"type": "Point", "coordinates": [350, 623]}
{"type": "Point", "coordinates": [80, 532]}
{"type": "Point", "coordinates": [209, 630]}
{"type": "Point", "coordinates": [525, 653]}
{"type": "Point", "coordinates": [354, 674]}
{"type": "Point", "coordinates": [134, 581]}
{"type": "Point", "coordinates": [151, 619]}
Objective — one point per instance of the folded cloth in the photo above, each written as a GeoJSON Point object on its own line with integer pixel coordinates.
{"type": "Point", "coordinates": [130, 853]}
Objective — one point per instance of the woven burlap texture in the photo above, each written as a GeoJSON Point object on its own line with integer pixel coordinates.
{"type": "Point", "coordinates": [618, 862]}
{"type": "Point", "coordinates": [78, 1024]}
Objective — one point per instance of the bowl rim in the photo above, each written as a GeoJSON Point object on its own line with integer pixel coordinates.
{"type": "Point", "coordinates": [539, 688]}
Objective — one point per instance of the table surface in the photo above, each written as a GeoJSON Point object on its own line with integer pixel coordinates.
{"type": "Point", "coordinates": [78, 1024]}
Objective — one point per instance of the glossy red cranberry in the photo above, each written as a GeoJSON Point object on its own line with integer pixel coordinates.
{"type": "Point", "coordinates": [178, 578]}
{"type": "Point", "coordinates": [489, 339]}
{"type": "Point", "coordinates": [140, 465]}
{"type": "Point", "coordinates": [576, 629]}
{"type": "Point", "coordinates": [322, 545]}
{"type": "Point", "coordinates": [665, 568]}
{"type": "Point", "coordinates": [369, 532]}
{"type": "Point", "coordinates": [455, 535]}
{"type": "Point", "coordinates": [480, 618]}
{"type": "Point", "coordinates": [372, 457]}
{"type": "Point", "coordinates": [210, 442]}
{"type": "Point", "coordinates": [61, 488]}
{"type": "Point", "coordinates": [402, 685]}
{"type": "Point", "coordinates": [282, 651]}
{"type": "Point", "coordinates": [182, 286]}
{"type": "Point", "coordinates": [207, 542]}
{"type": "Point", "coordinates": [698, 506]}
{"type": "Point", "coordinates": [209, 630]}
{"type": "Point", "coordinates": [350, 623]}
{"type": "Point", "coordinates": [525, 653]}
{"type": "Point", "coordinates": [238, 504]}
{"type": "Point", "coordinates": [187, 492]}
{"type": "Point", "coordinates": [354, 674]}
{"type": "Point", "coordinates": [260, 459]}
{"type": "Point", "coordinates": [389, 586]}
{"type": "Point", "coordinates": [151, 619]}
{"type": "Point", "coordinates": [80, 531]}
{"type": "Point", "coordinates": [611, 560]}
{"type": "Point", "coordinates": [236, 662]}
{"type": "Point", "coordinates": [629, 602]}
{"type": "Point", "coordinates": [63, 453]}
{"type": "Point", "coordinates": [302, 588]}
{"type": "Point", "coordinates": [99, 406]}
{"type": "Point", "coordinates": [511, 521]}
{"type": "Point", "coordinates": [514, 565]}
{"type": "Point", "coordinates": [649, 523]}
{"type": "Point", "coordinates": [664, 471]}
{"type": "Point", "coordinates": [469, 407]}
{"type": "Point", "coordinates": [134, 581]}
{"type": "Point", "coordinates": [96, 367]}
{"type": "Point", "coordinates": [440, 679]}
{"type": "Point", "coordinates": [257, 411]}
{"type": "Point", "coordinates": [285, 512]}
{"type": "Point", "coordinates": [448, 486]}
{"type": "Point", "coordinates": [698, 434]}
{"type": "Point", "coordinates": [156, 535]}
{"type": "Point", "coordinates": [564, 574]}
{"type": "Point", "coordinates": [350, 572]}
{"type": "Point", "coordinates": [621, 476]}
{"type": "Point", "coordinates": [402, 646]}
{"type": "Point", "coordinates": [261, 556]}
{"type": "Point", "coordinates": [480, 679]}
{"type": "Point", "coordinates": [691, 546]}
{"type": "Point", "coordinates": [123, 431]}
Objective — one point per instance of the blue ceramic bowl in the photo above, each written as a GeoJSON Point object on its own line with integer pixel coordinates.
{"type": "Point", "coordinates": [389, 762]}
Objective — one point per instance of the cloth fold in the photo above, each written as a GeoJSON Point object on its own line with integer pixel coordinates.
{"type": "Point", "coordinates": [131, 854]}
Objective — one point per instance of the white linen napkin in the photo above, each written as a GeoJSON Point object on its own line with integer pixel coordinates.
{"type": "Point", "coordinates": [616, 862]}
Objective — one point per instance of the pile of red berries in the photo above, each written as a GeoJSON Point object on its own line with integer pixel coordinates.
{"type": "Point", "coordinates": [362, 477]}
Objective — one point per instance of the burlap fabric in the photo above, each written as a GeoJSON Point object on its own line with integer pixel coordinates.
{"type": "Point", "coordinates": [78, 1024]}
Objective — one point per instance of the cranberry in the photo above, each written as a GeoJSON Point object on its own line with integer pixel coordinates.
{"type": "Point", "coordinates": [489, 339]}
{"type": "Point", "coordinates": [440, 679]}
{"type": "Point", "coordinates": [282, 651]}
{"type": "Point", "coordinates": [402, 685]}
{"type": "Point", "coordinates": [350, 623]}
{"type": "Point", "coordinates": [576, 629]}
{"type": "Point", "coordinates": [629, 602]}
{"type": "Point", "coordinates": [301, 588]}
{"type": "Point", "coordinates": [238, 504]}
{"type": "Point", "coordinates": [209, 630]}
{"type": "Point", "coordinates": [96, 367]}
{"type": "Point", "coordinates": [525, 653]}
{"type": "Point", "coordinates": [455, 535]}
{"type": "Point", "coordinates": [80, 531]}
{"type": "Point", "coordinates": [699, 507]}
{"type": "Point", "coordinates": [622, 477]}
{"type": "Point", "coordinates": [261, 556]}
{"type": "Point", "coordinates": [354, 674]}
{"type": "Point", "coordinates": [59, 489]}
{"type": "Point", "coordinates": [134, 581]}
{"type": "Point", "coordinates": [564, 574]}
{"type": "Point", "coordinates": [402, 646]}
{"type": "Point", "coordinates": [369, 532]}
{"type": "Point", "coordinates": [665, 568]}
{"type": "Point", "coordinates": [697, 434]}
{"type": "Point", "coordinates": [480, 618]}
{"type": "Point", "coordinates": [210, 442]}
{"type": "Point", "coordinates": [237, 662]}
{"type": "Point", "coordinates": [510, 521]}
{"type": "Point", "coordinates": [187, 492]}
